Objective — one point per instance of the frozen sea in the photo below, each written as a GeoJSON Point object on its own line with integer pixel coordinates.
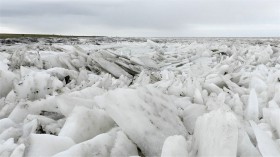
{"type": "Point", "coordinates": [116, 97]}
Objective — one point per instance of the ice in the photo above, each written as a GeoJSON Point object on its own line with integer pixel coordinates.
{"type": "Point", "coordinates": [216, 134]}
{"type": "Point", "coordinates": [83, 124]}
{"type": "Point", "coordinates": [11, 132]}
{"type": "Point", "coordinates": [7, 147]}
{"type": "Point", "coordinates": [190, 115]}
{"type": "Point", "coordinates": [112, 68]}
{"type": "Point", "coordinates": [43, 123]}
{"type": "Point", "coordinates": [245, 146]}
{"type": "Point", "coordinates": [266, 145]}
{"type": "Point", "coordinates": [41, 145]}
{"type": "Point", "coordinates": [18, 151]}
{"type": "Point", "coordinates": [67, 102]}
{"type": "Point", "coordinates": [272, 116]}
{"type": "Point", "coordinates": [258, 84]}
{"type": "Point", "coordinates": [198, 97]}
{"type": "Point", "coordinates": [252, 109]}
{"type": "Point", "coordinates": [6, 123]}
{"type": "Point", "coordinates": [113, 143]}
{"type": "Point", "coordinates": [123, 146]}
{"type": "Point", "coordinates": [6, 82]}
{"type": "Point", "coordinates": [36, 107]}
{"type": "Point", "coordinates": [37, 85]}
{"type": "Point", "coordinates": [148, 111]}
{"type": "Point", "coordinates": [175, 146]}
{"type": "Point", "coordinates": [115, 96]}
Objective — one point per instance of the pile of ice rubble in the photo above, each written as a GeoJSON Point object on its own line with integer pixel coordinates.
{"type": "Point", "coordinates": [209, 98]}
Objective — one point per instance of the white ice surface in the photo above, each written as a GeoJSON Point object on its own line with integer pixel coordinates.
{"type": "Point", "coordinates": [216, 134]}
{"type": "Point", "coordinates": [175, 146]}
{"type": "Point", "coordinates": [43, 145]}
{"type": "Point", "coordinates": [83, 124]}
{"type": "Point", "coordinates": [113, 143]}
{"type": "Point", "coordinates": [148, 111]}
{"type": "Point", "coordinates": [107, 96]}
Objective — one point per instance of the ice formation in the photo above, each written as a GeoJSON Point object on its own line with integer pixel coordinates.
{"type": "Point", "coordinates": [117, 97]}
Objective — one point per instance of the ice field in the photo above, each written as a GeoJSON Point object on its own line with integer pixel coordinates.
{"type": "Point", "coordinates": [116, 97]}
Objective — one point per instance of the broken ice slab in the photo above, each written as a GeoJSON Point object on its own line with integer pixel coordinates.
{"type": "Point", "coordinates": [252, 109]}
{"type": "Point", "coordinates": [110, 67]}
{"type": "Point", "coordinates": [47, 145]}
{"type": "Point", "coordinates": [146, 115]}
{"type": "Point", "coordinates": [114, 143]}
{"type": "Point", "coordinates": [272, 116]}
{"type": "Point", "coordinates": [6, 82]}
{"type": "Point", "coordinates": [83, 124]}
{"type": "Point", "coordinates": [216, 134]}
{"type": "Point", "coordinates": [84, 97]}
{"type": "Point", "coordinates": [266, 145]}
{"type": "Point", "coordinates": [175, 146]}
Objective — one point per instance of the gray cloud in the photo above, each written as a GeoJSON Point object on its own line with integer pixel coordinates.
{"type": "Point", "coordinates": [143, 18]}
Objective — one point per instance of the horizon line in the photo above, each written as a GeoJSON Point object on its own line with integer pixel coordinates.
{"type": "Point", "coordinates": [68, 35]}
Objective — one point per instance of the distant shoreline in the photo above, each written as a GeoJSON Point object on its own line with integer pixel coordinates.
{"type": "Point", "coordinates": [8, 35]}
{"type": "Point", "coordinates": [11, 35]}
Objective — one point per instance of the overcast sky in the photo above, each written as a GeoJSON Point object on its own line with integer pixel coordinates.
{"type": "Point", "coordinates": [173, 18]}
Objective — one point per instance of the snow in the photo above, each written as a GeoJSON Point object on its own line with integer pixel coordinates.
{"type": "Point", "coordinates": [109, 96]}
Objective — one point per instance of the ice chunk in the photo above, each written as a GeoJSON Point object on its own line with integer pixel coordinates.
{"type": "Point", "coordinates": [11, 132]}
{"type": "Point", "coordinates": [6, 123]}
{"type": "Point", "coordinates": [83, 124]}
{"type": "Point", "coordinates": [212, 88]}
{"type": "Point", "coordinates": [113, 143]}
{"type": "Point", "coordinates": [18, 151]}
{"type": "Point", "coordinates": [258, 84]}
{"type": "Point", "coordinates": [36, 107]}
{"type": "Point", "coordinates": [3, 63]}
{"type": "Point", "coordinates": [252, 109]}
{"type": "Point", "coordinates": [7, 147]}
{"type": "Point", "coordinates": [198, 97]}
{"type": "Point", "coordinates": [149, 111]}
{"type": "Point", "coordinates": [216, 134]}
{"type": "Point", "coordinates": [84, 97]}
{"type": "Point", "coordinates": [148, 62]}
{"type": "Point", "coordinates": [43, 124]}
{"type": "Point", "coordinates": [272, 116]}
{"type": "Point", "coordinates": [266, 145]}
{"type": "Point", "coordinates": [175, 146]}
{"type": "Point", "coordinates": [37, 85]}
{"type": "Point", "coordinates": [42, 145]}
{"type": "Point", "coordinates": [83, 76]}
{"type": "Point", "coordinates": [190, 115]}
{"type": "Point", "coordinates": [123, 146]}
{"type": "Point", "coordinates": [245, 146]}
{"type": "Point", "coordinates": [6, 82]}
{"type": "Point", "coordinates": [111, 67]}
{"type": "Point", "coordinates": [66, 103]}
{"type": "Point", "coordinates": [61, 73]}
{"type": "Point", "coordinates": [87, 93]}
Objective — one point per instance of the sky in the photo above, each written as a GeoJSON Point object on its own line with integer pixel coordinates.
{"type": "Point", "coordinates": [143, 18]}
